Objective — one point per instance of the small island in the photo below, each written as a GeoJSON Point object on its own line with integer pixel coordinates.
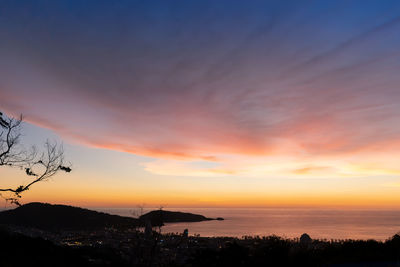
{"type": "Point", "coordinates": [159, 217]}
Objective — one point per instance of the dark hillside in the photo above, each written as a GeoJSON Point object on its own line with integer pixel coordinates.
{"type": "Point", "coordinates": [61, 217]}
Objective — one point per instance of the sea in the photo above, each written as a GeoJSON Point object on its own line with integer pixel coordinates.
{"type": "Point", "coordinates": [325, 224]}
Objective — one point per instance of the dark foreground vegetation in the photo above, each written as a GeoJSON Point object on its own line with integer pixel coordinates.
{"type": "Point", "coordinates": [116, 243]}
{"type": "Point", "coordinates": [112, 247]}
{"type": "Point", "coordinates": [23, 250]}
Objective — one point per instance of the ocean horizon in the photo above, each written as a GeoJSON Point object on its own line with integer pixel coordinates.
{"type": "Point", "coordinates": [285, 222]}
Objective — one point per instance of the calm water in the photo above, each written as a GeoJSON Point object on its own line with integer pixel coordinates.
{"type": "Point", "coordinates": [323, 224]}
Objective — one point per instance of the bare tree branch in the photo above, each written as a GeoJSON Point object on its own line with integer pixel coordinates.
{"type": "Point", "coordinates": [39, 167]}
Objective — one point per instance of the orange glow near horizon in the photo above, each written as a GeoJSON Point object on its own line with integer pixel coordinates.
{"type": "Point", "coordinates": [111, 198]}
{"type": "Point", "coordinates": [88, 187]}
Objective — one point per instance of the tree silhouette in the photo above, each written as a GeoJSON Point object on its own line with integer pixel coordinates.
{"type": "Point", "coordinates": [39, 166]}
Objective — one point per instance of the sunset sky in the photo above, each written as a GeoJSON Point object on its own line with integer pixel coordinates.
{"type": "Point", "coordinates": [208, 103]}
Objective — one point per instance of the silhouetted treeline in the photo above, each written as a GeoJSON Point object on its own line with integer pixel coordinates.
{"type": "Point", "coordinates": [17, 250]}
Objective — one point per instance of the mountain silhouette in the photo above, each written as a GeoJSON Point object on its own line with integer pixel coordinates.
{"type": "Point", "coordinates": [56, 217]}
